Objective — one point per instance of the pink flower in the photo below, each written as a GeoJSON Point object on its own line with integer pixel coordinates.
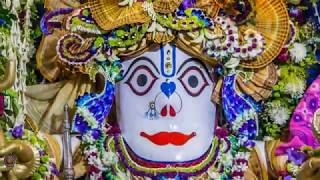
{"type": "Point", "coordinates": [94, 154]}
{"type": "Point", "coordinates": [222, 132]}
{"type": "Point", "coordinates": [284, 55]}
{"type": "Point", "coordinates": [93, 170]}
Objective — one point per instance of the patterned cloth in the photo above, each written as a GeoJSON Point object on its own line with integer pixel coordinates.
{"type": "Point", "coordinates": [301, 121]}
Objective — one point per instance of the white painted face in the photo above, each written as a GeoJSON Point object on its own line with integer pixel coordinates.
{"type": "Point", "coordinates": [163, 106]}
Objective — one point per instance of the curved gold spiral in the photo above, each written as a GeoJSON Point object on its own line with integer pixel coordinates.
{"type": "Point", "coordinates": [28, 158]}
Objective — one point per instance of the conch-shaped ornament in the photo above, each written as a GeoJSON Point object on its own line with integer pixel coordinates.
{"type": "Point", "coordinates": [27, 158]}
{"type": "Point", "coordinates": [272, 21]}
{"type": "Point", "coordinates": [166, 6]}
{"type": "Point", "coordinates": [109, 15]}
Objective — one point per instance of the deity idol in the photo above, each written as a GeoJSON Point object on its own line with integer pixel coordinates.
{"type": "Point", "coordinates": [157, 89]}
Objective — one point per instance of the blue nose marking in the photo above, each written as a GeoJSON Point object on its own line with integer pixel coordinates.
{"type": "Point", "coordinates": [168, 88]}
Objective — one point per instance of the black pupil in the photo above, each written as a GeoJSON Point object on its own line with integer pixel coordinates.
{"type": "Point", "coordinates": [142, 80]}
{"type": "Point", "coordinates": [193, 81]}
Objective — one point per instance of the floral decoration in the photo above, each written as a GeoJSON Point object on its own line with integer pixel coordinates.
{"type": "Point", "coordinates": [89, 120]}
{"type": "Point", "coordinates": [47, 167]}
{"type": "Point", "coordinates": [18, 44]}
{"type": "Point", "coordinates": [297, 64]}
{"type": "Point", "coordinates": [296, 158]}
{"type": "Point", "coordinates": [297, 69]}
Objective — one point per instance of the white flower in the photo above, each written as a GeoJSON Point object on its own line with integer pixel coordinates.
{"type": "Point", "coordinates": [148, 7]}
{"type": "Point", "coordinates": [109, 158]}
{"type": "Point", "coordinates": [243, 155]}
{"type": "Point", "coordinates": [295, 88]}
{"type": "Point", "coordinates": [214, 175]}
{"type": "Point", "coordinates": [91, 149]}
{"type": "Point", "coordinates": [298, 52]}
{"type": "Point", "coordinates": [88, 117]}
{"type": "Point", "coordinates": [88, 138]}
{"type": "Point", "coordinates": [242, 167]}
{"type": "Point", "coordinates": [232, 63]}
{"type": "Point", "coordinates": [237, 178]}
{"type": "Point", "coordinates": [280, 115]}
{"type": "Point", "coordinates": [268, 138]}
{"type": "Point", "coordinates": [226, 159]}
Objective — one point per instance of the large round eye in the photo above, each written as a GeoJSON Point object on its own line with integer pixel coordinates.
{"type": "Point", "coordinates": [141, 80]}
{"type": "Point", "coordinates": [193, 81]}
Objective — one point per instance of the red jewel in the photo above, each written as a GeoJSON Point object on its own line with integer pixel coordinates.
{"type": "Point", "coordinates": [164, 111]}
{"type": "Point", "coordinates": [172, 112]}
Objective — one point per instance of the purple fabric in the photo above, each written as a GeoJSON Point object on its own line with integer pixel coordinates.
{"type": "Point", "coordinates": [187, 4]}
{"type": "Point", "coordinates": [301, 121]}
{"type": "Point", "coordinates": [296, 156]}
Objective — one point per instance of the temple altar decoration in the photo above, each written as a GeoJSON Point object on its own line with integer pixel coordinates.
{"type": "Point", "coordinates": [234, 71]}
{"type": "Point", "coordinates": [129, 28]}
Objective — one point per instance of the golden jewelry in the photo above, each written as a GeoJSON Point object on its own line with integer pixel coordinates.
{"type": "Point", "coordinates": [310, 163]}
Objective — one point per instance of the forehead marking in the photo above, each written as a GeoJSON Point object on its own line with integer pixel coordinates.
{"type": "Point", "coordinates": [168, 61]}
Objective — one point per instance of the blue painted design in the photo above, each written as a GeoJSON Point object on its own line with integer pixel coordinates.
{"type": "Point", "coordinates": [99, 106]}
{"type": "Point", "coordinates": [168, 88]}
{"type": "Point", "coordinates": [239, 107]}
{"type": "Point", "coordinates": [162, 59]}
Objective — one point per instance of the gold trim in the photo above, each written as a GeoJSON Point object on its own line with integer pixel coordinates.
{"type": "Point", "coordinates": [54, 148]}
{"type": "Point", "coordinates": [109, 15]}
{"type": "Point", "coordinates": [31, 124]}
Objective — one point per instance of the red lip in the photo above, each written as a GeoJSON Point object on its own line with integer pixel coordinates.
{"type": "Point", "coordinates": [165, 138]}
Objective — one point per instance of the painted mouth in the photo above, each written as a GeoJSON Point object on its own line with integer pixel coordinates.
{"type": "Point", "coordinates": [165, 138]}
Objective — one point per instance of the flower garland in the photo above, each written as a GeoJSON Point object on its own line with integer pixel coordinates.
{"type": "Point", "coordinates": [89, 120]}
{"type": "Point", "coordinates": [297, 64]}
{"type": "Point", "coordinates": [297, 67]}
{"type": "Point", "coordinates": [18, 45]}
{"type": "Point", "coordinates": [92, 109]}
{"type": "Point", "coordinates": [47, 167]}
{"type": "Point", "coordinates": [296, 158]}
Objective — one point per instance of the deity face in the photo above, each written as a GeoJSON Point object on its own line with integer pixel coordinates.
{"type": "Point", "coordinates": [163, 106]}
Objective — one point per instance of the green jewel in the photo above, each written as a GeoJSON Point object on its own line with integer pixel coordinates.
{"type": "Point", "coordinates": [36, 176]}
{"type": "Point", "coordinates": [86, 12]}
{"type": "Point", "coordinates": [127, 36]}
{"type": "Point", "coordinates": [98, 42]}
{"type": "Point", "coordinates": [120, 33]}
{"type": "Point", "coordinates": [109, 175]}
{"type": "Point", "coordinates": [44, 159]}
{"type": "Point", "coordinates": [188, 12]}
{"type": "Point", "coordinates": [76, 22]}
{"type": "Point", "coordinates": [33, 140]}
{"type": "Point", "coordinates": [316, 153]}
{"type": "Point", "coordinates": [42, 169]}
